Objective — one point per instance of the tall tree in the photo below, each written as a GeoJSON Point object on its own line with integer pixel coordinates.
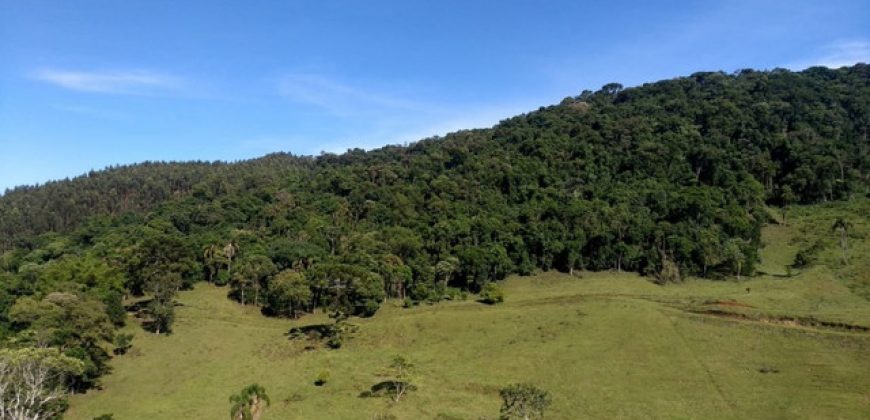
{"type": "Point", "coordinates": [229, 251]}
{"type": "Point", "coordinates": [734, 252]}
{"type": "Point", "coordinates": [843, 227]}
{"type": "Point", "coordinates": [163, 287]}
{"type": "Point", "coordinates": [288, 293]}
{"type": "Point", "coordinates": [250, 276]}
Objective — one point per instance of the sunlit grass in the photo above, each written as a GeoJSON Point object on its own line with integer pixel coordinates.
{"type": "Point", "coordinates": [606, 345]}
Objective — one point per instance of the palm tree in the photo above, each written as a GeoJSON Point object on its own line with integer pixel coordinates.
{"type": "Point", "coordinates": [210, 257]}
{"type": "Point", "coordinates": [249, 404]}
{"type": "Point", "coordinates": [843, 226]}
{"type": "Point", "coordinates": [230, 251]}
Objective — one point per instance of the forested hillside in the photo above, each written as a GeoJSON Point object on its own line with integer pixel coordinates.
{"type": "Point", "coordinates": [668, 179]}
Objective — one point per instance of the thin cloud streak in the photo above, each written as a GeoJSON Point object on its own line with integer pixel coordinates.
{"type": "Point", "coordinates": [838, 54]}
{"type": "Point", "coordinates": [336, 97]}
{"type": "Point", "coordinates": [381, 114]}
{"type": "Point", "coordinates": [128, 82]}
{"type": "Point", "coordinates": [391, 134]}
{"type": "Point", "coordinates": [91, 112]}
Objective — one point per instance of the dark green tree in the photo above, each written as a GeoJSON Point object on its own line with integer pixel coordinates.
{"type": "Point", "coordinates": [523, 401]}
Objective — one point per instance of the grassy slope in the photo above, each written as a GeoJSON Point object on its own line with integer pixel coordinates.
{"type": "Point", "coordinates": [606, 345]}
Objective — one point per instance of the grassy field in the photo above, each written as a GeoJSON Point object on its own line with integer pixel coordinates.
{"type": "Point", "coordinates": [606, 345]}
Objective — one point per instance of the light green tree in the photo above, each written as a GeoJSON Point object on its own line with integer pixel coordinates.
{"type": "Point", "coordinates": [843, 227]}
{"type": "Point", "coordinates": [734, 253]}
{"type": "Point", "coordinates": [402, 372]}
{"type": "Point", "coordinates": [446, 267]}
{"type": "Point", "coordinates": [33, 382]}
{"type": "Point", "coordinates": [288, 293]}
{"type": "Point", "coordinates": [249, 403]}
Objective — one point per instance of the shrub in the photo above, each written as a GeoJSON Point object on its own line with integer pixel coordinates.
{"type": "Point", "coordinates": [807, 256]}
{"type": "Point", "coordinates": [453, 293]}
{"type": "Point", "coordinates": [523, 401]}
{"type": "Point", "coordinates": [670, 272]}
{"type": "Point", "coordinates": [491, 294]}
{"type": "Point", "coordinates": [122, 342]}
{"type": "Point", "coordinates": [222, 279]}
{"type": "Point", "coordinates": [421, 292]}
{"type": "Point", "coordinates": [322, 378]}
{"type": "Point", "coordinates": [294, 397]}
{"type": "Point", "coordinates": [334, 342]}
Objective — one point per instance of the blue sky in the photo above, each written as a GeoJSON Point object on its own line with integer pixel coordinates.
{"type": "Point", "coordinates": [86, 84]}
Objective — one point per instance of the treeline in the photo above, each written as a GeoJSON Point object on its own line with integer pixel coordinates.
{"type": "Point", "coordinates": [60, 206]}
{"type": "Point", "coordinates": [667, 179]}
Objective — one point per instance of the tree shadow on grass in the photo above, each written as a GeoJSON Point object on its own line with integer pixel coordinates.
{"type": "Point", "coordinates": [311, 332]}
{"type": "Point", "coordinates": [139, 307]}
{"type": "Point", "coordinates": [385, 388]}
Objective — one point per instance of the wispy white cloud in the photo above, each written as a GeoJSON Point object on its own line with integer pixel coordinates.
{"type": "Point", "coordinates": [382, 114]}
{"type": "Point", "coordinates": [384, 132]}
{"type": "Point", "coordinates": [126, 82]}
{"type": "Point", "coordinates": [337, 97]}
{"type": "Point", "coordinates": [837, 54]}
{"type": "Point", "coordinates": [413, 129]}
{"type": "Point", "coordinates": [88, 111]}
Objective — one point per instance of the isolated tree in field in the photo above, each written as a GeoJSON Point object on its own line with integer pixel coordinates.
{"type": "Point", "coordinates": [249, 403]}
{"type": "Point", "coordinates": [734, 254]}
{"type": "Point", "coordinates": [33, 382]}
{"type": "Point", "coordinates": [402, 372]}
{"type": "Point", "coordinates": [523, 401]}
{"type": "Point", "coordinates": [843, 226]}
{"type": "Point", "coordinates": [288, 293]}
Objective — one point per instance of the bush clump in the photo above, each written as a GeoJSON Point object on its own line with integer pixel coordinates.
{"type": "Point", "coordinates": [807, 256]}
{"type": "Point", "coordinates": [322, 378]}
{"type": "Point", "coordinates": [492, 294]}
